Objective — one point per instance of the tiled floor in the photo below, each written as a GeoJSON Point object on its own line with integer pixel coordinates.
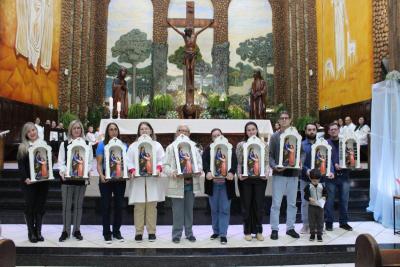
{"type": "Point", "coordinates": [93, 237]}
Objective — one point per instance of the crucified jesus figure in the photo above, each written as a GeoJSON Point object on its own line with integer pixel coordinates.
{"type": "Point", "coordinates": [189, 36]}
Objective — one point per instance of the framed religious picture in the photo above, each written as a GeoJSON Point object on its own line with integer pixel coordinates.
{"type": "Point", "coordinates": [78, 159]}
{"type": "Point", "coordinates": [349, 150]}
{"type": "Point", "coordinates": [220, 157]}
{"type": "Point", "coordinates": [40, 161]}
{"type": "Point", "coordinates": [321, 153]}
{"type": "Point", "coordinates": [115, 155]}
{"type": "Point", "coordinates": [146, 156]}
{"type": "Point", "coordinates": [185, 156]}
{"type": "Point", "coordinates": [289, 149]}
{"type": "Point", "coordinates": [254, 157]}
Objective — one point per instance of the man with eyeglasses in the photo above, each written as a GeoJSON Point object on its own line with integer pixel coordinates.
{"type": "Point", "coordinates": [284, 181]}
{"type": "Point", "coordinates": [339, 181]}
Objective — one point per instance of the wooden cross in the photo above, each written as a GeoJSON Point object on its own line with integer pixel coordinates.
{"type": "Point", "coordinates": [190, 21]}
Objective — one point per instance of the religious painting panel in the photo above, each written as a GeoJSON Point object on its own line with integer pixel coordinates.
{"type": "Point", "coordinates": [345, 52]}
{"type": "Point", "coordinates": [254, 157]}
{"type": "Point", "coordinates": [185, 156]}
{"type": "Point", "coordinates": [40, 162]}
{"type": "Point", "coordinates": [321, 153]}
{"type": "Point", "coordinates": [78, 160]}
{"type": "Point", "coordinates": [289, 149]}
{"type": "Point", "coordinates": [220, 157]}
{"type": "Point", "coordinates": [251, 49]}
{"type": "Point", "coordinates": [146, 157]}
{"type": "Point", "coordinates": [349, 151]}
{"type": "Point", "coordinates": [115, 155]}
{"type": "Point", "coordinates": [29, 51]}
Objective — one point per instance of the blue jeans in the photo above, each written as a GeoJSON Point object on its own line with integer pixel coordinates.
{"type": "Point", "coordinates": [342, 183]}
{"type": "Point", "coordinates": [304, 203]}
{"type": "Point", "coordinates": [220, 209]}
{"type": "Point", "coordinates": [280, 186]}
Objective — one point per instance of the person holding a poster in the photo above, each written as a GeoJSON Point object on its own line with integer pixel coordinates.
{"type": "Point", "coordinates": [35, 194]}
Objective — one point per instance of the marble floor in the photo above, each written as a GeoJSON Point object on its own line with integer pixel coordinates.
{"type": "Point", "coordinates": [93, 237]}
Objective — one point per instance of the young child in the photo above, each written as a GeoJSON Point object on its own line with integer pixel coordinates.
{"type": "Point", "coordinates": [314, 192]}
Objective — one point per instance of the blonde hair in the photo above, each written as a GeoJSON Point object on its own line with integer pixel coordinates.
{"type": "Point", "coordinates": [71, 125]}
{"type": "Point", "coordinates": [23, 147]}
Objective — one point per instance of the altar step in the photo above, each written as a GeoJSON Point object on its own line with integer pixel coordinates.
{"type": "Point", "coordinates": [12, 203]}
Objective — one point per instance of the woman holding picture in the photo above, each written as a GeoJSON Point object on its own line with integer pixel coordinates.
{"type": "Point", "coordinates": [145, 190]}
{"type": "Point", "coordinates": [219, 189]}
{"type": "Point", "coordinates": [252, 189]}
{"type": "Point", "coordinates": [72, 190]}
{"type": "Point", "coordinates": [110, 187]}
{"type": "Point", "coordinates": [35, 194]}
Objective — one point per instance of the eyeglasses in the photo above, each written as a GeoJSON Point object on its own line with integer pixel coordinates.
{"type": "Point", "coordinates": [183, 131]}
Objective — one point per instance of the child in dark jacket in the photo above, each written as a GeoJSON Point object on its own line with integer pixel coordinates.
{"type": "Point", "coordinates": [315, 193]}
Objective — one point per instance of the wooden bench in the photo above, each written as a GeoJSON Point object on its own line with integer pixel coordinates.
{"type": "Point", "coordinates": [7, 253]}
{"type": "Point", "coordinates": [368, 253]}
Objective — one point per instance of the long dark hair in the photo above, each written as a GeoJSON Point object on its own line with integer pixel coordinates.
{"type": "Point", "coordinates": [107, 136]}
{"type": "Point", "coordinates": [152, 135]}
{"type": "Point", "coordinates": [245, 127]}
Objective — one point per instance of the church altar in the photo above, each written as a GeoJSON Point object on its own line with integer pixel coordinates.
{"type": "Point", "coordinates": [197, 126]}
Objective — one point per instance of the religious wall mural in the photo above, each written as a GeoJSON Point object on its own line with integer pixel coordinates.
{"type": "Point", "coordinates": [29, 51]}
{"type": "Point", "coordinates": [345, 58]}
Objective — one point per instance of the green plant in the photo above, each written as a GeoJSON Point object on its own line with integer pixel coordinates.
{"type": "Point", "coordinates": [302, 121]}
{"type": "Point", "coordinates": [94, 116]}
{"type": "Point", "coordinates": [236, 112]}
{"type": "Point", "coordinates": [138, 111]}
{"type": "Point", "coordinates": [162, 104]}
{"type": "Point", "coordinates": [217, 106]}
{"type": "Point", "coordinates": [205, 115]}
{"type": "Point", "coordinates": [172, 114]}
{"type": "Point", "coordinates": [67, 117]}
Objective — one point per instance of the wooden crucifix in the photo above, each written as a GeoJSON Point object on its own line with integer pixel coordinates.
{"type": "Point", "coordinates": [189, 36]}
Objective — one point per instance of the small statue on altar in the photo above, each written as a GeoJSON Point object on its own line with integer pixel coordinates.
{"type": "Point", "coordinates": [120, 93]}
{"type": "Point", "coordinates": [257, 97]}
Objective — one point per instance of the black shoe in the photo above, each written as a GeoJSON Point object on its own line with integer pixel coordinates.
{"type": "Point", "coordinates": [152, 237]}
{"type": "Point", "coordinates": [78, 235]}
{"type": "Point", "coordinates": [223, 240]}
{"type": "Point", "coordinates": [346, 227]}
{"type": "Point", "coordinates": [31, 228]}
{"type": "Point", "coordinates": [312, 237]}
{"type": "Point", "coordinates": [63, 237]}
{"type": "Point", "coordinates": [328, 227]}
{"type": "Point", "coordinates": [292, 233]}
{"type": "Point", "coordinates": [274, 235]}
{"type": "Point", "coordinates": [214, 236]}
{"type": "Point", "coordinates": [138, 238]}
{"type": "Point", "coordinates": [176, 240]}
{"type": "Point", "coordinates": [118, 236]}
{"type": "Point", "coordinates": [32, 237]}
{"type": "Point", "coordinates": [319, 238]}
{"type": "Point", "coordinates": [191, 238]}
{"type": "Point", "coordinates": [108, 239]}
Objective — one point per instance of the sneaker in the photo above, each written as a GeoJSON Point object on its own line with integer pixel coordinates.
{"type": "Point", "coordinates": [319, 238]}
{"type": "Point", "coordinates": [214, 236]}
{"type": "Point", "coordinates": [78, 235]}
{"type": "Point", "coordinates": [138, 238]}
{"type": "Point", "coordinates": [274, 235]}
{"type": "Point", "coordinates": [305, 229]}
{"type": "Point", "coordinates": [292, 233]}
{"type": "Point", "coordinates": [223, 240]}
{"type": "Point", "coordinates": [260, 237]}
{"type": "Point", "coordinates": [152, 237]}
{"type": "Point", "coordinates": [191, 238]}
{"type": "Point", "coordinates": [346, 227]}
{"type": "Point", "coordinates": [108, 239]}
{"type": "Point", "coordinates": [63, 236]}
{"type": "Point", "coordinates": [328, 227]}
{"type": "Point", "coordinates": [247, 237]}
{"type": "Point", "coordinates": [312, 237]}
{"type": "Point", "coordinates": [176, 240]}
{"type": "Point", "coordinates": [118, 236]}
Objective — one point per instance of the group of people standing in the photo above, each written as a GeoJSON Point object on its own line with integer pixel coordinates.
{"type": "Point", "coordinates": [145, 191]}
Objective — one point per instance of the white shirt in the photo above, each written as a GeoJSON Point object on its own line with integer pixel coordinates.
{"type": "Point", "coordinates": [351, 127]}
{"type": "Point", "coordinates": [91, 138]}
{"type": "Point", "coordinates": [40, 130]}
{"type": "Point", "coordinates": [362, 134]}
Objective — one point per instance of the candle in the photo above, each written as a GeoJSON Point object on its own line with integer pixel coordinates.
{"type": "Point", "coordinates": [110, 102]}
{"type": "Point", "coordinates": [119, 106]}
